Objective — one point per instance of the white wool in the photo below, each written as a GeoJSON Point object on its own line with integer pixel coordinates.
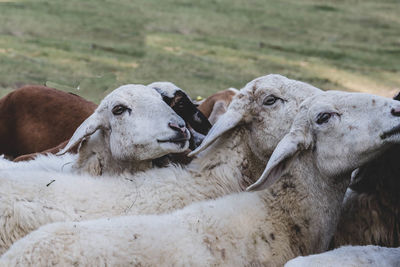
{"type": "Point", "coordinates": [48, 162]}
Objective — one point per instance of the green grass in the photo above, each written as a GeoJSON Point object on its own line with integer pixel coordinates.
{"type": "Point", "coordinates": [202, 46]}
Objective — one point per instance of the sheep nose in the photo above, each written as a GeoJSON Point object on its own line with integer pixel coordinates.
{"type": "Point", "coordinates": [395, 111]}
{"type": "Point", "coordinates": [180, 127]}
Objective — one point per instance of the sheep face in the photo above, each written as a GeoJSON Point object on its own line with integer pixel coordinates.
{"type": "Point", "coordinates": [363, 123]}
{"type": "Point", "coordinates": [136, 124]}
{"type": "Point", "coordinates": [265, 107]}
{"type": "Point", "coordinates": [386, 166]}
{"type": "Point", "coordinates": [342, 130]}
{"type": "Point", "coordinates": [273, 103]}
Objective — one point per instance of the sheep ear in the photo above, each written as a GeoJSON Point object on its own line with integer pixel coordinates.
{"type": "Point", "coordinates": [280, 160]}
{"type": "Point", "coordinates": [226, 122]}
{"type": "Point", "coordinates": [87, 128]}
{"type": "Point", "coordinates": [361, 178]}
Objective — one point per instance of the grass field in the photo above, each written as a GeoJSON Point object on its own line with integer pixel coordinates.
{"type": "Point", "coordinates": [202, 46]}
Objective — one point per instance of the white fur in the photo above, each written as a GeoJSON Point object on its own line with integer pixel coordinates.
{"type": "Point", "coordinates": [348, 256]}
{"type": "Point", "coordinates": [296, 216]}
{"type": "Point", "coordinates": [48, 162]}
{"type": "Point", "coordinates": [241, 142]}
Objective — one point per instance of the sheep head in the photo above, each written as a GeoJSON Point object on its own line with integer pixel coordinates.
{"type": "Point", "coordinates": [385, 166]}
{"type": "Point", "coordinates": [181, 103]}
{"type": "Point", "coordinates": [136, 124]}
{"type": "Point", "coordinates": [265, 107]}
{"type": "Point", "coordinates": [343, 131]}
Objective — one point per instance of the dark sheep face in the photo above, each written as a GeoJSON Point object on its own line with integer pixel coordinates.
{"type": "Point", "coordinates": [184, 107]}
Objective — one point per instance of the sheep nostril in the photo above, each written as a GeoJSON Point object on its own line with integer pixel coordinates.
{"type": "Point", "coordinates": [173, 126]}
{"type": "Point", "coordinates": [178, 127]}
{"type": "Point", "coordinates": [395, 112]}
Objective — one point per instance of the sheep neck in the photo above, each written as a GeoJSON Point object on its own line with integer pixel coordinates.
{"type": "Point", "coordinates": [113, 166]}
{"type": "Point", "coordinates": [95, 158]}
{"type": "Point", "coordinates": [230, 162]}
{"type": "Point", "coordinates": [306, 203]}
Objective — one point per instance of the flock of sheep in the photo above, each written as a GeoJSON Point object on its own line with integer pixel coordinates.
{"type": "Point", "coordinates": [263, 176]}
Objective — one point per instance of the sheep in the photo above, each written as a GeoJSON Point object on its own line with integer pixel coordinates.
{"type": "Point", "coordinates": [307, 175]}
{"type": "Point", "coordinates": [216, 105]}
{"type": "Point", "coordinates": [371, 209]}
{"type": "Point", "coordinates": [233, 155]}
{"type": "Point", "coordinates": [131, 127]}
{"type": "Point", "coordinates": [350, 256]}
{"type": "Point", "coordinates": [34, 118]}
{"type": "Point", "coordinates": [182, 105]}
{"type": "Point", "coordinates": [172, 95]}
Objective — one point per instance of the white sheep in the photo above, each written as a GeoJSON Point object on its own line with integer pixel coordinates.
{"type": "Point", "coordinates": [349, 256]}
{"type": "Point", "coordinates": [131, 127]}
{"type": "Point", "coordinates": [333, 133]}
{"type": "Point", "coordinates": [246, 136]}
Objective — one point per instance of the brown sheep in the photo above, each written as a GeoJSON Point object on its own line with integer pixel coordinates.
{"type": "Point", "coordinates": [214, 106]}
{"type": "Point", "coordinates": [35, 118]}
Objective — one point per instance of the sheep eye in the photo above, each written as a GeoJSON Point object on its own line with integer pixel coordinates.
{"type": "Point", "coordinates": [270, 100]}
{"type": "Point", "coordinates": [119, 109]}
{"type": "Point", "coordinates": [323, 117]}
{"type": "Point", "coordinates": [180, 104]}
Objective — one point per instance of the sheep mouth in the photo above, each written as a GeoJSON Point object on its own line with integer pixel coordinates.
{"type": "Point", "coordinates": [180, 141]}
{"type": "Point", "coordinates": [395, 130]}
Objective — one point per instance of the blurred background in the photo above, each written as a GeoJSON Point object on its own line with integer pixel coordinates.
{"type": "Point", "coordinates": [90, 47]}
